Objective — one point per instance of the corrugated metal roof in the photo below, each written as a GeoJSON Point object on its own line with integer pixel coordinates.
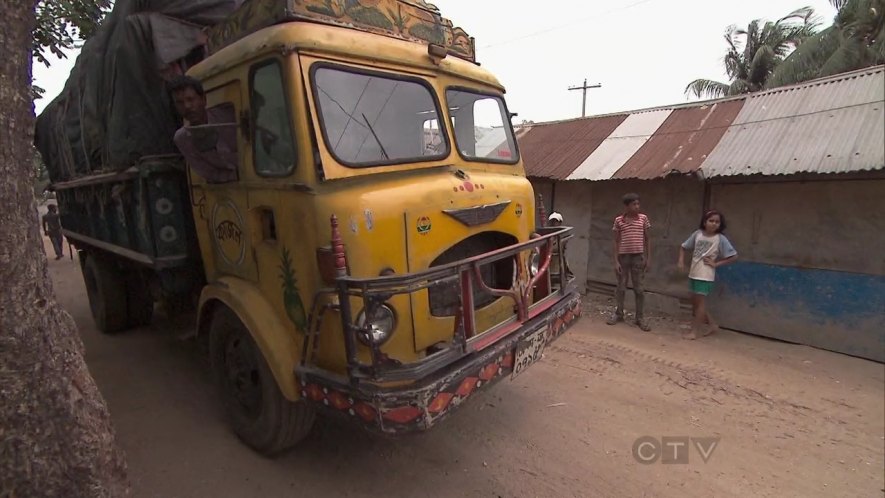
{"type": "Point", "coordinates": [612, 153]}
{"type": "Point", "coordinates": [682, 142]}
{"type": "Point", "coordinates": [554, 150]}
{"type": "Point", "coordinates": [833, 125]}
{"type": "Point", "coordinates": [493, 143]}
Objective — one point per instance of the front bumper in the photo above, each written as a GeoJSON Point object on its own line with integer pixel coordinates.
{"type": "Point", "coordinates": [422, 403]}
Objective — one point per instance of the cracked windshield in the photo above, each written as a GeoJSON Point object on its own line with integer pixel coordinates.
{"type": "Point", "coordinates": [370, 119]}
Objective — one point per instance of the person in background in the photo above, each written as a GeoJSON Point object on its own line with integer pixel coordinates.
{"type": "Point", "coordinates": [52, 229]}
{"type": "Point", "coordinates": [208, 140]}
{"type": "Point", "coordinates": [710, 249]}
{"type": "Point", "coordinates": [632, 257]}
{"type": "Point", "coordinates": [555, 220]}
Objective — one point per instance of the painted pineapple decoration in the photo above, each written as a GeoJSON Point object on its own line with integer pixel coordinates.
{"type": "Point", "coordinates": [291, 298]}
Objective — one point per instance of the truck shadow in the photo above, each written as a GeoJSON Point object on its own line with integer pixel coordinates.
{"type": "Point", "coordinates": [335, 458]}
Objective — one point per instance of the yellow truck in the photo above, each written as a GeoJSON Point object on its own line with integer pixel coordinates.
{"type": "Point", "coordinates": [378, 257]}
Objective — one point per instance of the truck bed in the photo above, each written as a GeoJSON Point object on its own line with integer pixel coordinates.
{"type": "Point", "coordinates": [141, 214]}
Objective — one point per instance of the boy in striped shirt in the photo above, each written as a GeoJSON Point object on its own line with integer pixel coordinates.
{"type": "Point", "coordinates": [632, 254]}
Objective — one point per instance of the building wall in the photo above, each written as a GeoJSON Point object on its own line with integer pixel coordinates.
{"type": "Point", "coordinates": [543, 187]}
{"type": "Point", "coordinates": [673, 206]}
{"type": "Point", "coordinates": [832, 225]}
{"type": "Point", "coordinates": [571, 199]}
{"type": "Point", "coordinates": [811, 268]}
{"type": "Point", "coordinates": [812, 264]}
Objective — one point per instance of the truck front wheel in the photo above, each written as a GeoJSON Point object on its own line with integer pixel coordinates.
{"type": "Point", "coordinates": [106, 290]}
{"type": "Point", "coordinates": [261, 416]}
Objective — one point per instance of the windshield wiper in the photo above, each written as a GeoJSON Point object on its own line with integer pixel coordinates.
{"type": "Point", "coordinates": [378, 140]}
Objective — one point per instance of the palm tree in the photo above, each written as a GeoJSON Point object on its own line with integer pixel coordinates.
{"type": "Point", "coordinates": [754, 53]}
{"type": "Point", "coordinates": [854, 41]}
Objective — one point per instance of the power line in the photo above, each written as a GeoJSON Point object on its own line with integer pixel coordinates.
{"type": "Point", "coordinates": [561, 26]}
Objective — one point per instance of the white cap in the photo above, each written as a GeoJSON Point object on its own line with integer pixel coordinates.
{"type": "Point", "coordinates": [555, 217]}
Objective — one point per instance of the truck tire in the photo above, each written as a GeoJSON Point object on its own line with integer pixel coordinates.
{"type": "Point", "coordinates": [139, 302]}
{"type": "Point", "coordinates": [259, 413]}
{"type": "Point", "coordinates": [106, 290]}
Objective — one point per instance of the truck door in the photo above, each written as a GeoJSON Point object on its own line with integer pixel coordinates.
{"type": "Point", "coordinates": [221, 209]}
{"type": "Point", "coordinates": [278, 204]}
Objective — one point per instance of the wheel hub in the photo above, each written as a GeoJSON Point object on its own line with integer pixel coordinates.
{"type": "Point", "coordinates": [243, 376]}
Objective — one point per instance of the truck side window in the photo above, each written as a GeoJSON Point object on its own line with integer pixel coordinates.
{"type": "Point", "coordinates": [433, 140]}
{"type": "Point", "coordinates": [210, 149]}
{"type": "Point", "coordinates": [272, 143]}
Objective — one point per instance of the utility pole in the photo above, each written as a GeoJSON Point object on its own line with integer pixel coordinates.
{"type": "Point", "coordinates": [584, 89]}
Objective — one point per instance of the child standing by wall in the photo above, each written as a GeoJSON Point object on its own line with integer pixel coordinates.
{"type": "Point", "coordinates": [632, 257]}
{"type": "Point", "coordinates": [710, 250]}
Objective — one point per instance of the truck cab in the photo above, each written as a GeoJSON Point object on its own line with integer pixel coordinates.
{"type": "Point", "coordinates": [377, 257]}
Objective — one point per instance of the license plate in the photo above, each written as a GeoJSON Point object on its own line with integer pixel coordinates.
{"type": "Point", "coordinates": [528, 351]}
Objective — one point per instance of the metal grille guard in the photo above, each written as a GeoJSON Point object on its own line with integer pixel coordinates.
{"type": "Point", "coordinates": [532, 296]}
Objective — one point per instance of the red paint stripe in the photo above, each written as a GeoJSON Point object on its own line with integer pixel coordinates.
{"type": "Point", "coordinates": [403, 414]}
{"type": "Point", "coordinates": [489, 338]}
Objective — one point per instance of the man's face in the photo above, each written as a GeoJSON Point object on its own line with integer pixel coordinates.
{"type": "Point", "coordinates": [190, 105]}
{"type": "Point", "coordinates": [633, 207]}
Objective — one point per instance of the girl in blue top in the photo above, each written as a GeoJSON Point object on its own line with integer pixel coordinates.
{"type": "Point", "coordinates": [710, 249]}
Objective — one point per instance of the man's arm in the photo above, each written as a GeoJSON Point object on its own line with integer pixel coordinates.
{"type": "Point", "coordinates": [616, 249]}
{"type": "Point", "coordinates": [647, 249]}
{"type": "Point", "coordinates": [211, 165]}
{"type": "Point", "coordinates": [45, 230]}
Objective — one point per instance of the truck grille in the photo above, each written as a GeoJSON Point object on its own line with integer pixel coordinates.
{"type": "Point", "coordinates": [444, 298]}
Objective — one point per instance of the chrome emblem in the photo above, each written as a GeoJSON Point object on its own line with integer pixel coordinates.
{"type": "Point", "coordinates": [478, 215]}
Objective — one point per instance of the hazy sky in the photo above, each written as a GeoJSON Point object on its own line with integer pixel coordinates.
{"type": "Point", "coordinates": [644, 52]}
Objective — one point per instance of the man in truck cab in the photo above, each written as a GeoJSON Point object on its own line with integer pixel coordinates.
{"type": "Point", "coordinates": [208, 139]}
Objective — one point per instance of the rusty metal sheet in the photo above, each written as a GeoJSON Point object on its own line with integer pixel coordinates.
{"type": "Point", "coordinates": [621, 145]}
{"type": "Point", "coordinates": [682, 142]}
{"type": "Point", "coordinates": [555, 150]}
{"type": "Point", "coordinates": [830, 125]}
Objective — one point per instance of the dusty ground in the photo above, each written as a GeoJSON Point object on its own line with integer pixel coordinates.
{"type": "Point", "coordinates": [793, 421]}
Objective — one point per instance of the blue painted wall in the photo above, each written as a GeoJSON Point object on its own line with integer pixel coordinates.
{"type": "Point", "coordinates": [838, 311]}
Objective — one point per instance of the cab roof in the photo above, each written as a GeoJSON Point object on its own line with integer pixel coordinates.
{"type": "Point", "coordinates": [339, 42]}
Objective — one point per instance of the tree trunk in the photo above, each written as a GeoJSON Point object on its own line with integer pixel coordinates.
{"type": "Point", "coordinates": [56, 437]}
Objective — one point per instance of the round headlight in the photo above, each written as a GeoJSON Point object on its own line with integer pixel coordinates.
{"type": "Point", "coordinates": [377, 325]}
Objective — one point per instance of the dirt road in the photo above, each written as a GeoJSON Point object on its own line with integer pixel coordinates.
{"type": "Point", "coordinates": [792, 421]}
